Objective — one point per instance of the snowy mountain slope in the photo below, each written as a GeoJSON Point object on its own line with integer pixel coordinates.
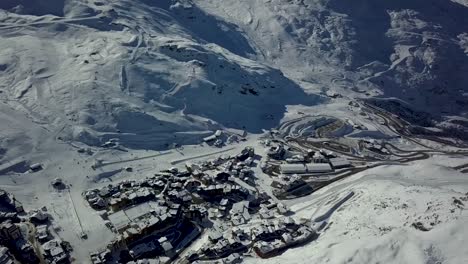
{"type": "Point", "coordinates": [151, 73]}
{"type": "Point", "coordinates": [142, 74]}
{"type": "Point", "coordinates": [412, 50]}
{"type": "Point", "coordinates": [36, 8]}
{"type": "Point", "coordinates": [145, 61]}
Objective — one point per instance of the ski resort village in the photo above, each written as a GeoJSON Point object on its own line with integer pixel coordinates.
{"type": "Point", "coordinates": [227, 131]}
{"type": "Point", "coordinates": [234, 197]}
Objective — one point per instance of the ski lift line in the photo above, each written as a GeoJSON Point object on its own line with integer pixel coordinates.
{"type": "Point", "coordinates": [134, 159]}
{"type": "Point", "coordinates": [201, 156]}
{"type": "Point", "coordinates": [76, 213]}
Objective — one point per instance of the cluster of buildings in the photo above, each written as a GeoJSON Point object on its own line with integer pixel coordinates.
{"type": "Point", "coordinates": [56, 251]}
{"type": "Point", "coordinates": [159, 216]}
{"type": "Point", "coordinates": [221, 137]}
{"type": "Point", "coordinates": [374, 149]}
{"type": "Point", "coordinates": [289, 166]}
{"type": "Point", "coordinates": [144, 213]}
{"type": "Point", "coordinates": [280, 243]}
{"type": "Point", "coordinates": [321, 161]}
{"type": "Point", "coordinates": [5, 256]}
{"type": "Point", "coordinates": [267, 239]}
{"type": "Point", "coordinates": [12, 241]}
{"type": "Point", "coordinates": [17, 246]}
{"type": "Point", "coordinates": [9, 204]}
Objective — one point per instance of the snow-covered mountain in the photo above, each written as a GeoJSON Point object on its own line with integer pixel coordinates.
{"type": "Point", "coordinates": [143, 71]}
{"type": "Point", "coordinates": [150, 73]}
{"type": "Point", "coordinates": [155, 74]}
{"type": "Point", "coordinates": [413, 50]}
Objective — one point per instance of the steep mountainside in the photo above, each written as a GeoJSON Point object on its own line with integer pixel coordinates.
{"type": "Point", "coordinates": [147, 73]}
{"type": "Point", "coordinates": [414, 50]}
{"type": "Point", "coordinates": [154, 73]}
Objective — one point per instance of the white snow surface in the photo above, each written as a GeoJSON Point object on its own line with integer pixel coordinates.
{"type": "Point", "coordinates": [139, 71]}
{"type": "Point", "coordinates": [374, 226]}
{"type": "Point", "coordinates": [78, 73]}
{"type": "Point", "coordinates": [143, 71]}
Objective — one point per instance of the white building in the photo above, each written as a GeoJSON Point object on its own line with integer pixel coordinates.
{"type": "Point", "coordinates": [293, 168]}
{"type": "Point", "coordinates": [318, 167]}
{"type": "Point", "coordinates": [305, 168]}
{"type": "Point", "coordinates": [240, 213]}
{"type": "Point", "coordinates": [338, 163]}
{"type": "Point", "coordinates": [165, 244]}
